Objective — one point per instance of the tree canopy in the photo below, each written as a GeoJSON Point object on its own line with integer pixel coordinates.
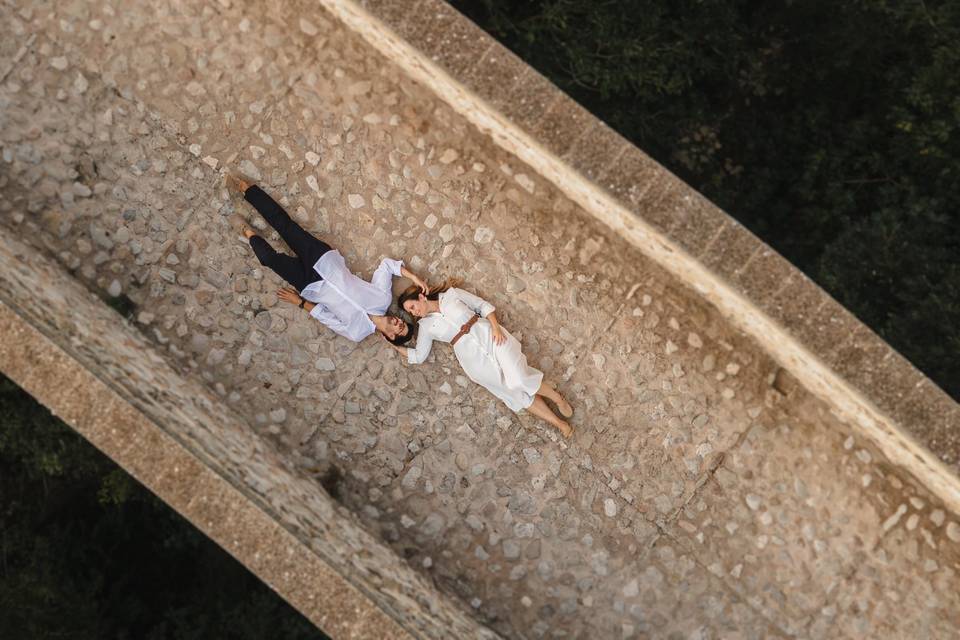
{"type": "Point", "coordinates": [87, 552]}
{"type": "Point", "coordinates": [831, 129]}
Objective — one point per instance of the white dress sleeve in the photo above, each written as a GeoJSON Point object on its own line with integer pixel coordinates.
{"type": "Point", "coordinates": [383, 277]}
{"type": "Point", "coordinates": [418, 354]}
{"type": "Point", "coordinates": [478, 304]}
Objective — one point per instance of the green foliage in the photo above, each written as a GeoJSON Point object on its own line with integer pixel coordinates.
{"type": "Point", "coordinates": [116, 488]}
{"type": "Point", "coordinates": [121, 304]}
{"type": "Point", "coordinates": [831, 129]}
{"type": "Point", "coordinates": [86, 552]}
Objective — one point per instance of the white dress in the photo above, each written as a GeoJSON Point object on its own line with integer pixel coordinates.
{"type": "Point", "coordinates": [501, 369]}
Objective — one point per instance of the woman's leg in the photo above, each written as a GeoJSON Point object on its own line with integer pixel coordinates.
{"type": "Point", "coordinates": [287, 267]}
{"type": "Point", "coordinates": [540, 409]}
{"type": "Point", "coordinates": [546, 390]}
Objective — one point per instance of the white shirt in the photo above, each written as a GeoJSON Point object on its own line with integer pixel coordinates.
{"type": "Point", "coordinates": [344, 301]}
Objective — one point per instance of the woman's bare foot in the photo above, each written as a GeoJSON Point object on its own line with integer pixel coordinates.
{"type": "Point", "coordinates": [566, 409]}
{"type": "Point", "coordinates": [549, 391]}
{"type": "Point", "coordinates": [540, 409]}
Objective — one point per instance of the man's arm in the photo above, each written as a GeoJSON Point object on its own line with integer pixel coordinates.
{"type": "Point", "coordinates": [383, 276]}
{"type": "Point", "coordinates": [320, 313]}
{"type": "Point", "coordinates": [330, 320]}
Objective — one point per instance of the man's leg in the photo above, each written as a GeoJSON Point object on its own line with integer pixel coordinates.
{"type": "Point", "coordinates": [302, 243]}
{"type": "Point", "coordinates": [287, 267]}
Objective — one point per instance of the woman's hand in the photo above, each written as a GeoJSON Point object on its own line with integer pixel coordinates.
{"type": "Point", "coordinates": [495, 330]}
{"type": "Point", "coordinates": [289, 295]}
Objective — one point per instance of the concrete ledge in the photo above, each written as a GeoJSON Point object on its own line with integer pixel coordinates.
{"type": "Point", "coordinates": [828, 350]}
{"type": "Point", "coordinates": [104, 380]}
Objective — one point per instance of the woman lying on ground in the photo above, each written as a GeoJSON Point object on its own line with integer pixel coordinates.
{"type": "Point", "coordinates": [488, 354]}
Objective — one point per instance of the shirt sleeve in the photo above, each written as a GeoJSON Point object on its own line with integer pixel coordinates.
{"type": "Point", "coordinates": [418, 354]}
{"type": "Point", "coordinates": [383, 277]}
{"type": "Point", "coordinates": [331, 320]}
{"type": "Point", "coordinates": [478, 304]}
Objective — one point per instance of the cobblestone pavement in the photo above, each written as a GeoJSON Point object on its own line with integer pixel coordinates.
{"type": "Point", "coordinates": [704, 494]}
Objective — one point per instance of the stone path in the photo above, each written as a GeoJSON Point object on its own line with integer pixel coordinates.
{"type": "Point", "coordinates": [704, 494]}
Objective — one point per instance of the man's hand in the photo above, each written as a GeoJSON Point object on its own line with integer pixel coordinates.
{"type": "Point", "coordinates": [289, 295]}
{"type": "Point", "coordinates": [401, 350]}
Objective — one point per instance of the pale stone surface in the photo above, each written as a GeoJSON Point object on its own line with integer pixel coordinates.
{"type": "Point", "coordinates": [693, 499]}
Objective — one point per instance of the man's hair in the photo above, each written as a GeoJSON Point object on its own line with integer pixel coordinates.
{"type": "Point", "coordinates": [402, 340]}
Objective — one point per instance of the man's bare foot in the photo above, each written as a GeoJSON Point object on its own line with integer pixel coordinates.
{"type": "Point", "coordinates": [566, 410]}
{"type": "Point", "coordinates": [565, 430]}
{"type": "Point", "coordinates": [236, 182]}
{"type": "Point", "coordinates": [240, 224]}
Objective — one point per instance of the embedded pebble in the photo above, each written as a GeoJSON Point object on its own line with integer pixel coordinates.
{"type": "Point", "coordinates": [953, 531]}
{"type": "Point", "coordinates": [892, 521]}
{"type": "Point", "coordinates": [308, 27]}
{"type": "Point", "coordinates": [483, 235]}
{"type": "Point", "coordinates": [356, 200]}
{"type": "Point", "coordinates": [80, 84]}
{"type": "Point", "coordinates": [938, 517]}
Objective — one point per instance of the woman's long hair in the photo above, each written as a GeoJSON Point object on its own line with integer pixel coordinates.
{"type": "Point", "coordinates": [413, 291]}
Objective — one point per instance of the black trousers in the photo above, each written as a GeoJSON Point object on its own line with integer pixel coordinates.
{"type": "Point", "coordinates": [298, 271]}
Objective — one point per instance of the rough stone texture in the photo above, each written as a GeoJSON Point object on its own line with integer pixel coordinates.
{"type": "Point", "coordinates": [97, 373]}
{"type": "Point", "coordinates": [696, 497]}
{"type": "Point", "coordinates": [688, 222]}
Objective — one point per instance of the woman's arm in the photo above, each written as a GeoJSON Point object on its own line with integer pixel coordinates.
{"type": "Point", "coordinates": [478, 304]}
{"type": "Point", "coordinates": [498, 337]}
{"type": "Point", "coordinates": [486, 310]}
{"type": "Point", "coordinates": [419, 353]}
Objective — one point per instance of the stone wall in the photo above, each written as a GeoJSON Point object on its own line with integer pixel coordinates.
{"type": "Point", "coordinates": [95, 372]}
